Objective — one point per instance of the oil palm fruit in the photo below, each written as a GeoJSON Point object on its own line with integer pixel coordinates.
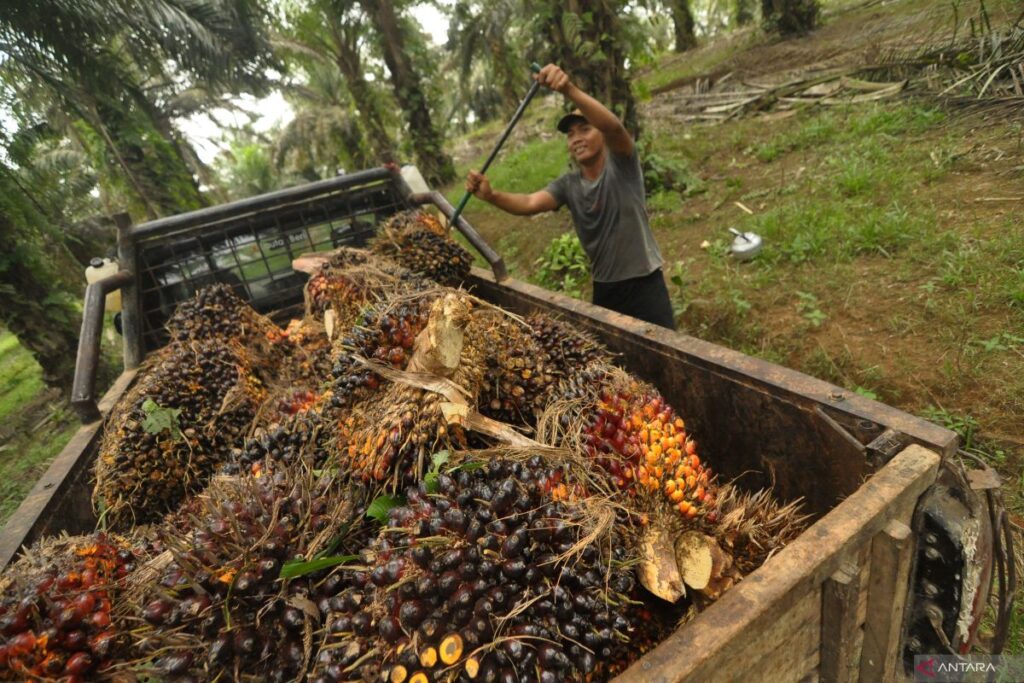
{"type": "Point", "coordinates": [629, 429]}
{"type": "Point", "coordinates": [417, 241]}
{"type": "Point", "coordinates": [386, 334]}
{"type": "Point", "coordinates": [222, 607]}
{"type": "Point", "coordinates": [490, 577]}
{"type": "Point", "coordinates": [568, 349]}
{"type": "Point", "coordinates": [56, 613]}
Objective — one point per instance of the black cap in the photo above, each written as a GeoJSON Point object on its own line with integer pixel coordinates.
{"type": "Point", "coordinates": [569, 119]}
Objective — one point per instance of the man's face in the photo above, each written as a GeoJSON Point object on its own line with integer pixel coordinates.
{"type": "Point", "coordinates": [586, 143]}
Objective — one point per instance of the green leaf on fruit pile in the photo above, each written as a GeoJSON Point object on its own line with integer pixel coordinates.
{"type": "Point", "coordinates": [382, 505]}
{"type": "Point", "coordinates": [293, 568]}
{"type": "Point", "coordinates": [438, 460]}
{"type": "Point", "coordinates": [160, 419]}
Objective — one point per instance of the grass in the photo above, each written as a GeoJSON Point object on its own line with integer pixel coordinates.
{"type": "Point", "coordinates": [20, 376]}
{"type": "Point", "coordinates": [36, 428]}
{"type": "Point", "coordinates": [19, 474]}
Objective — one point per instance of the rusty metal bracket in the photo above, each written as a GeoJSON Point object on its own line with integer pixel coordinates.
{"type": "Point", "coordinates": [885, 446]}
{"type": "Point", "coordinates": [83, 391]}
{"type": "Point", "coordinates": [840, 429]}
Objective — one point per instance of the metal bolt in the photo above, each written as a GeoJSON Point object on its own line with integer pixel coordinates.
{"type": "Point", "coordinates": [914, 644]}
{"type": "Point", "coordinates": [933, 612]}
{"type": "Point", "coordinates": [929, 588]}
{"type": "Point", "coordinates": [932, 554]}
{"type": "Point", "coordinates": [836, 396]}
{"type": "Point", "coordinates": [931, 538]}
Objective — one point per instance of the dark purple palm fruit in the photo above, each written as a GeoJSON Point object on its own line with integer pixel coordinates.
{"type": "Point", "coordinates": [230, 602]}
{"type": "Point", "coordinates": [386, 333]}
{"type": "Point", "coordinates": [492, 576]}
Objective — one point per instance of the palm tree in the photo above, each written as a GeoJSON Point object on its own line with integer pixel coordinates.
{"type": "Point", "coordinates": [331, 35]}
{"type": "Point", "coordinates": [482, 34]}
{"type": "Point", "coordinates": [396, 45]}
{"type": "Point", "coordinates": [682, 21]}
{"type": "Point", "coordinates": [325, 135]}
{"type": "Point", "coordinates": [111, 63]}
{"type": "Point", "coordinates": [591, 41]}
{"type": "Point", "coordinates": [103, 73]}
{"type": "Point", "coordinates": [43, 317]}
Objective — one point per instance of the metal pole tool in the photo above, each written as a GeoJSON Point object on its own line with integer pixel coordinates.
{"type": "Point", "coordinates": [535, 68]}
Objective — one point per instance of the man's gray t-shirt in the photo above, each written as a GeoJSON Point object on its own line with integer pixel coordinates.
{"type": "Point", "coordinates": [610, 215]}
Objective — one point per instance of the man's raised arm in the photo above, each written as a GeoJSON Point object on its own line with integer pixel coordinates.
{"type": "Point", "coordinates": [616, 136]}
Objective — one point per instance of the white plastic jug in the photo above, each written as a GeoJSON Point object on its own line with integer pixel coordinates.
{"type": "Point", "coordinates": [98, 269]}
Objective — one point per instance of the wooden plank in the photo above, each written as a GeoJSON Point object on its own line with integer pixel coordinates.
{"type": "Point", "coordinates": [839, 623]}
{"type": "Point", "coordinates": [891, 555]}
{"type": "Point", "coordinates": [696, 651]}
{"type": "Point", "coordinates": [784, 652]}
{"type": "Point", "coordinates": [864, 562]}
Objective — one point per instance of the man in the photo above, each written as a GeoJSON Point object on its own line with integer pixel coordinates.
{"type": "Point", "coordinates": [605, 196]}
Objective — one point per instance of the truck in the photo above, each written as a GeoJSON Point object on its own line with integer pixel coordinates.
{"type": "Point", "coordinates": [905, 552]}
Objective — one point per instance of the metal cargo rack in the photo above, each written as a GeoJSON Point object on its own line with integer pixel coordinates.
{"type": "Point", "coordinates": [249, 245]}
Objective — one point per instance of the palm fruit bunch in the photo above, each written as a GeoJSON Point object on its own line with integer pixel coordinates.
{"type": "Point", "coordinates": [303, 438]}
{"type": "Point", "coordinates": [519, 374]}
{"type": "Point", "coordinates": [387, 334]}
{"type": "Point", "coordinates": [390, 435]}
{"type": "Point", "coordinates": [568, 349]}
{"type": "Point", "coordinates": [216, 312]}
{"type": "Point", "coordinates": [324, 286]}
{"type": "Point", "coordinates": [221, 608]}
{"type": "Point", "coordinates": [629, 429]}
{"type": "Point", "coordinates": [392, 438]}
{"type": "Point", "coordinates": [313, 353]}
{"type": "Point", "coordinates": [56, 617]}
{"type": "Point", "coordinates": [351, 279]}
{"type": "Point", "coordinates": [487, 578]}
{"type": "Point", "coordinates": [417, 240]}
{"type": "Point", "coordinates": [194, 403]}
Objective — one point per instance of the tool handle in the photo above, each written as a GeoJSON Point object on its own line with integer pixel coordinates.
{"type": "Point", "coordinates": [535, 68]}
{"type": "Point", "coordinates": [739, 234]}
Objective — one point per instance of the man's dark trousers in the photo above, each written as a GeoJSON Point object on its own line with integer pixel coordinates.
{"type": "Point", "coordinates": [644, 297]}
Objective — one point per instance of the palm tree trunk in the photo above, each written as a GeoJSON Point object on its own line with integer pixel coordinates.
{"type": "Point", "coordinates": [160, 177]}
{"type": "Point", "coordinates": [744, 12]}
{"type": "Point", "coordinates": [427, 142]}
{"type": "Point", "coordinates": [35, 310]}
{"type": "Point", "coordinates": [136, 185]}
{"type": "Point", "coordinates": [789, 17]}
{"type": "Point", "coordinates": [183, 151]}
{"type": "Point", "coordinates": [682, 20]}
{"type": "Point", "coordinates": [351, 66]}
{"type": "Point", "coordinates": [506, 75]}
{"type": "Point", "coordinates": [605, 79]}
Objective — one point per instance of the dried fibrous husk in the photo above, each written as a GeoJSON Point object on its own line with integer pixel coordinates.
{"type": "Point", "coordinates": [751, 527]}
{"type": "Point", "coordinates": [659, 569]}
